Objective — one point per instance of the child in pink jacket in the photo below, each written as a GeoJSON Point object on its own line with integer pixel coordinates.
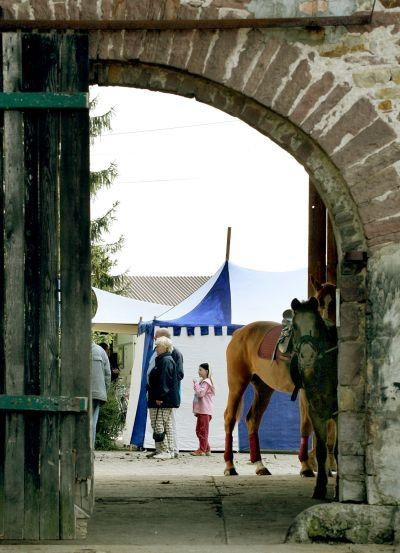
{"type": "Point", "coordinates": [202, 408]}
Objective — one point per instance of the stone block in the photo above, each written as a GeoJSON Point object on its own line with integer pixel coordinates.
{"type": "Point", "coordinates": [257, 70]}
{"type": "Point", "coordinates": [298, 81]}
{"type": "Point", "coordinates": [390, 3]}
{"type": "Point", "coordinates": [278, 70]}
{"type": "Point", "coordinates": [352, 288]}
{"type": "Point", "coordinates": [368, 141]}
{"type": "Point", "coordinates": [386, 106]}
{"type": "Point", "coordinates": [371, 77]}
{"type": "Point", "coordinates": [353, 121]}
{"type": "Point", "coordinates": [376, 185]}
{"type": "Point", "coordinates": [352, 398]}
{"type": "Point", "coordinates": [336, 522]}
{"type": "Point", "coordinates": [392, 93]}
{"type": "Point", "coordinates": [384, 206]}
{"type": "Point", "coordinates": [307, 103]}
{"type": "Point", "coordinates": [248, 59]}
{"type": "Point", "coordinates": [329, 104]}
{"type": "Point", "coordinates": [352, 356]}
{"type": "Point", "coordinates": [352, 317]}
{"type": "Point", "coordinates": [351, 429]}
{"type": "Point", "coordinates": [395, 74]}
{"type": "Point", "coordinates": [352, 467]}
{"type": "Point", "coordinates": [351, 491]}
{"type": "Point", "coordinates": [377, 162]}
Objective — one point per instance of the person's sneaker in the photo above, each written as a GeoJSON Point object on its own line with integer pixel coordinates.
{"type": "Point", "coordinates": [197, 453]}
{"type": "Point", "coordinates": [152, 454]}
{"type": "Point", "coordinates": [208, 452]}
{"type": "Point", "coordinates": [175, 455]}
{"type": "Point", "coordinates": [163, 456]}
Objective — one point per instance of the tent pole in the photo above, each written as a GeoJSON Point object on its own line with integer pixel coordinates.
{"type": "Point", "coordinates": [228, 244]}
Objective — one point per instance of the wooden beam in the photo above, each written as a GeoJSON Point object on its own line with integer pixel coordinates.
{"type": "Point", "coordinates": [316, 238]}
{"type": "Point", "coordinates": [44, 404]}
{"type": "Point", "coordinates": [360, 18]}
{"type": "Point", "coordinates": [228, 244]}
{"type": "Point", "coordinates": [43, 100]}
{"type": "Point", "coordinates": [14, 292]}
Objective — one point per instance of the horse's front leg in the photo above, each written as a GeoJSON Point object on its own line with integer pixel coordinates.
{"type": "Point", "coordinates": [331, 442]}
{"type": "Point", "coordinates": [307, 468]}
{"type": "Point", "coordinates": [321, 453]}
{"type": "Point", "coordinates": [230, 417]}
{"type": "Point", "coordinates": [335, 452]}
{"type": "Point", "coordinates": [262, 395]}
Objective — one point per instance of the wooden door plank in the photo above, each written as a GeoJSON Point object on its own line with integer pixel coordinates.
{"type": "Point", "coordinates": [75, 281]}
{"type": "Point", "coordinates": [2, 359]}
{"type": "Point", "coordinates": [14, 293]}
{"type": "Point", "coordinates": [41, 137]}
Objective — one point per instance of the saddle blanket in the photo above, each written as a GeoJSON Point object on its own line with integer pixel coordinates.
{"type": "Point", "coordinates": [268, 347]}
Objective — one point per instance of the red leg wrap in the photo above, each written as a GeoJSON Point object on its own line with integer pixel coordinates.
{"type": "Point", "coordinates": [303, 453]}
{"type": "Point", "coordinates": [228, 453]}
{"type": "Point", "coordinates": [255, 454]}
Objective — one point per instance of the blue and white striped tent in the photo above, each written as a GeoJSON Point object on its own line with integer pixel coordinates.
{"type": "Point", "coordinates": [202, 326]}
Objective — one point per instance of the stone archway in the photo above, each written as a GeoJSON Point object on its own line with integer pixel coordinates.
{"type": "Point", "coordinates": [329, 94]}
{"type": "Point", "coordinates": [331, 186]}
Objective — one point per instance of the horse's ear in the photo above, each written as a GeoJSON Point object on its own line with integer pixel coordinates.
{"type": "Point", "coordinates": [313, 303]}
{"type": "Point", "coordinates": [315, 283]}
{"type": "Point", "coordinates": [295, 304]}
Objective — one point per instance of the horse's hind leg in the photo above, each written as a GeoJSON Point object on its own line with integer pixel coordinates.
{"type": "Point", "coordinates": [262, 395]}
{"type": "Point", "coordinates": [231, 414]}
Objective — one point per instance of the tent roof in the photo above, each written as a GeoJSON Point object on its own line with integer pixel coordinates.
{"type": "Point", "coordinates": [237, 296]}
{"type": "Point", "coordinates": [116, 313]}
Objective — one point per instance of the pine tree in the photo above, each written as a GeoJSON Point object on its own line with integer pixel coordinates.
{"type": "Point", "coordinates": [101, 251]}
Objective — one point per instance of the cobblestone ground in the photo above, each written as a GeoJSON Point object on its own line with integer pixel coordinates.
{"type": "Point", "coordinates": [186, 505]}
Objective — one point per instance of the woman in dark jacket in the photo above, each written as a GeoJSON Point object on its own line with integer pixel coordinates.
{"type": "Point", "coordinates": [163, 395]}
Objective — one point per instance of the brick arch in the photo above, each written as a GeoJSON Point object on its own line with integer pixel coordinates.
{"type": "Point", "coordinates": [325, 175]}
{"type": "Point", "coordinates": [341, 206]}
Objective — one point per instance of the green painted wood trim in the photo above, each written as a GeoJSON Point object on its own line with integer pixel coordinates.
{"type": "Point", "coordinates": [43, 100]}
{"type": "Point", "coordinates": [45, 404]}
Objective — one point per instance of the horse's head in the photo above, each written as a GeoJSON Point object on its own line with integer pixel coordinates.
{"type": "Point", "coordinates": [326, 296]}
{"type": "Point", "coordinates": [311, 338]}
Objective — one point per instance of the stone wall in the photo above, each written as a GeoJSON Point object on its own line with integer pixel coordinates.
{"type": "Point", "coordinates": [330, 96]}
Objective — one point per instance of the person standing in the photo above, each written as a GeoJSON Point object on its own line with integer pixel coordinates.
{"type": "Point", "coordinates": [178, 358]}
{"type": "Point", "coordinates": [100, 382]}
{"type": "Point", "coordinates": [163, 395]}
{"type": "Point", "coordinates": [204, 391]}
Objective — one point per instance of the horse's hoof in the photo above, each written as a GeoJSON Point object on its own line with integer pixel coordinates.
{"type": "Point", "coordinates": [230, 472]}
{"type": "Point", "coordinates": [319, 494]}
{"type": "Point", "coordinates": [263, 472]}
{"type": "Point", "coordinates": [307, 473]}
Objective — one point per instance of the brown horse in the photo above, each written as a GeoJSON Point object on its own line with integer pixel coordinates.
{"type": "Point", "coordinates": [326, 296]}
{"type": "Point", "coordinates": [314, 369]}
{"type": "Point", "coordinates": [245, 365]}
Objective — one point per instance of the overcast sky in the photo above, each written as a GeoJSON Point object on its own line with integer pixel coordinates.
{"type": "Point", "coordinates": [187, 172]}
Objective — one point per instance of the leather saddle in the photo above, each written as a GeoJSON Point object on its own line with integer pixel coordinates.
{"type": "Point", "coordinates": [269, 346]}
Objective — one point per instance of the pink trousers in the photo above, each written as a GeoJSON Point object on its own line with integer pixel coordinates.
{"type": "Point", "coordinates": [202, 429]}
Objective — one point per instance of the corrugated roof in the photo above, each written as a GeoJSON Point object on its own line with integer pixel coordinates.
{"type": "Point", "coordinates": [168, 290]}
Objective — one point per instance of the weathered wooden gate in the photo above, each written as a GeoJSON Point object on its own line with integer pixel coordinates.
{"type": "Point", "coordinates": [45, 459]}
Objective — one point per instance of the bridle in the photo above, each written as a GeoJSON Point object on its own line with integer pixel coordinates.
{"type": "Point", "coordinates": [317, 344]}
